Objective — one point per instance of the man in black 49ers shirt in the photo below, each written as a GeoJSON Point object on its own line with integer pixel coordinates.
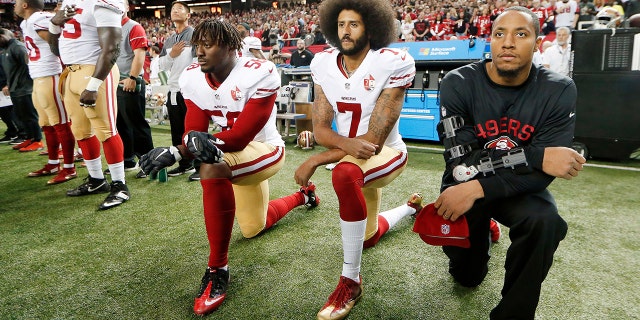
{"type": "Point", "coordinates": [506, 127]}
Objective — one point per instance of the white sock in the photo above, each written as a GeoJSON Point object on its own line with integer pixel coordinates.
{"type": "Point", "coordinates": [68, 165]}
{"type": "Point", "coordinates": [53, 161]}
{"type": "Point", "coordinates": [352, 239]}
{"type": "Point", "coordinates": [117, 171]}
{"type": "Point", "coordinates": [396, 214]}
{"type": "Point", "coordinates": [94, 166]}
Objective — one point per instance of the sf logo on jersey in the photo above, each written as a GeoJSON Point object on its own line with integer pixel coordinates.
{"type": "Point", "coordinates": [369, 83]}
{"type": "Point", "coordinates": [503, 143]}
{"type": "Point", "coordinates": [236, 94]}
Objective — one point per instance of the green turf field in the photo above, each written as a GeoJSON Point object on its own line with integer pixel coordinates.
{"type": "Point", "coordinates": [60, 258]}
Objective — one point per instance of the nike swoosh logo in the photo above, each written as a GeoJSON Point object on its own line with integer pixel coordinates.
{"type": "Point", "coordinates": [96, 188]}
{"type": "Point", "coordinates": [572, 114]}
{"type": "Point", "coordinates": [161, 153]}
{"type": "Point", "coordinates": [193, 142]}
{"type": "Point", "coordinates": [270, 70]}
{"type": "Point", "coordinates": [209, 302]}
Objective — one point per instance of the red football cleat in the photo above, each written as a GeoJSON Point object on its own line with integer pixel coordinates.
{"type": "Point", "coordinates": [312, 198]}
{"type": "Point", "coordinates": [415, 202]}
{"type": "Point", "coordinates": [21, 144]}
{"type": "Point", "coordinates": [47, 170]}
{"type": "Point", "coordinates": [34, 146]}
{"type": "Point", "coordinates": [64, 175]}
{"type": "Point", "coordinates": [494, 228]}
{"type": "Point", "coordinates": [213, 291]}
{"type": "Point", "coordinates": [342, 300]}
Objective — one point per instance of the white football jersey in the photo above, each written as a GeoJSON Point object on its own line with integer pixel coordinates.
{"type": "Point", "coordinates": [79, 43]}
{"type": "Point", "coordinates": [249, 43]}
{"type": "Point", "coordinates": [353, 99]}
{"type": "Point", "coordinates": [251, 78]}
{"type": "Point", "coordinates": [42, 62]}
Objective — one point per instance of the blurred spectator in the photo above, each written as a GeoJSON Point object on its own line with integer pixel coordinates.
{"type": "Point", "coordinates": [302, 56]}
{"type": "Point", "coordinates": [7, 114]}
{"type": "Point", "coordinates": [438, 29]}
{"type": "Point", "coordinates": [319, 37]}
{"type": "Point", "coordinates": [407, 28]}
{"type": "Point", "coordinates": [420, 28]}
{"type": "Point", "coordinates": [556, 58]}
{"type": "Point", "coordinates": [251, 46]}
{"type": "Point", "coordinates": [19, 86]}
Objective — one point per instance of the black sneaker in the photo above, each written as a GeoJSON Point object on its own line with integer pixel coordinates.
{"type": "Point", "coordinates": [141, 175]}
{"type": "Point", "coordinates": [118, 195]}
{"type": "Point", "coordinates": [16, 141]}
{"type": "Point", "coordinates": [90, 186]}
{"type": "Point", "coordinates": [213, 291]}
{"type": "Point", "coordinates": [7, 139]}
{"type": "Point", "coordinates": [180, 171]}
{"type": "Point", "coordinates": [194, 176]}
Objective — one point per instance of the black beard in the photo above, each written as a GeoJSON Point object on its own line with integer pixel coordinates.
{"type": "Point", "coordinates": [358, 45]}
{"type": "Point", "coordinates": [510, 73]}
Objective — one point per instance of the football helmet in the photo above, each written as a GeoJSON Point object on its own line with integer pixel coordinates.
{"type": "Point", "coordinates": [608, 18]}
{"type": "Point", "coordinates": [305, 140]}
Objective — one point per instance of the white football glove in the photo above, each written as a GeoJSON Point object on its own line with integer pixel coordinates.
{"type": "Point", "coordinates": [202, 146]}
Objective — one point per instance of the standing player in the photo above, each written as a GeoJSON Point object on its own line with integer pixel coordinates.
{"type": "Point", "coordinates": [238, 94]}
{"type": "Point", "coordinates": [360, 84]}
{"type": "Point", "coordinates": [251, 46]}
{"type": "Point", "coordinates": [87, 34]}
{"type": "Point", "coordinates": [45, 69]}
{"type": "Point", "coordinates": [520, 118]}
{"type": "Point", "coordinates": [176, 55]}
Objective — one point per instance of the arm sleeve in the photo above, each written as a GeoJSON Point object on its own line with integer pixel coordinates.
{"type": "Point", "coordinates": [252, 119]}
{"type": "Point", "coordinates": [195, 119]}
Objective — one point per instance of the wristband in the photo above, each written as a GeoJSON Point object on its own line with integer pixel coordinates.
{"type": "Point", "coordinates": [176, 153]}
{"type": "Point", "coordinates": [93, 84]}
{"type": "Point", "coordinates": [53, 29]}
{"type": "Point", "coordinates": [133, 78]}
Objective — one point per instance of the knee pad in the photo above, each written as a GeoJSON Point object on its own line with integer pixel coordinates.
{"type": "Point", "coordinates": [347, 182]}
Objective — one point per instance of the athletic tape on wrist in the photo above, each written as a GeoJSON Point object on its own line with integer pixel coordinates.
{"type": "Point", "coordinates": [175, 152]}
{"type": "Point", "coordinates": [93, 84]}
{"type": "Point", "coordinates": [53, 29]}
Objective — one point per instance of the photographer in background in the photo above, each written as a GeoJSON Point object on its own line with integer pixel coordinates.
{"type": "Point", "coordinates": [276, 57]}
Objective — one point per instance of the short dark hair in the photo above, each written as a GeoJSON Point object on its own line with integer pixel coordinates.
{"type": "Point", "coordinates": [184, 4]}
{"type": "Point", "coordinates": [534, 18]}
{"type": "Point", "coordinates": [378, 17]}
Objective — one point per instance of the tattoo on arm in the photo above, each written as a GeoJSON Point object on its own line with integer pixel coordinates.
{"type": "Point", "coordinates": [322, 110]}
{"type": "Point", "coordinates": [385, 114]}
{"type": "Point", "coordinates": [116, 54]}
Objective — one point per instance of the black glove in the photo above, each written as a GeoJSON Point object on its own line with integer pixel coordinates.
{"type": "Point", "coordinates": [159, 158]}
{"type": "Point", "coordinates": [202, 146]}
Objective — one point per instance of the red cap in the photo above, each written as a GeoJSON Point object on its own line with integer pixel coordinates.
{"type": "Point", "coordinates": [436, 231]}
